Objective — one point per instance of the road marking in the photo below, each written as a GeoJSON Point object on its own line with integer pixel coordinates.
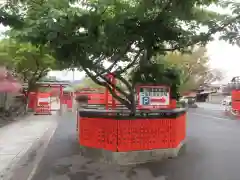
{"type": "Point", "coordinates": [209, 116]}
{"type": "Point", "coordinates": [40, 157]}
{"type": "Point", "coordinates": [212, 109]}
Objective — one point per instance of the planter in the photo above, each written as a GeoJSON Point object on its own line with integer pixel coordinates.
{"type": "Point", "coordinates": [116, 137]}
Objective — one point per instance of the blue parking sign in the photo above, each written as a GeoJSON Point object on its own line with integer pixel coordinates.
{"type": "Point", "coordinates": [145, 100]}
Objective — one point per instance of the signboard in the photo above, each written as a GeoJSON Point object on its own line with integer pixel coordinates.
{"type": "Point", "coordinates": [153, 97]}
{"type": "Point", "coordinates": [44, 100]}
{"type": "Point", "coordinates": [43, 105]}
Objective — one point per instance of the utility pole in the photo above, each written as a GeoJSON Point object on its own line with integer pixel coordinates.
{"type": "Point", "coordinates": [73, 70]}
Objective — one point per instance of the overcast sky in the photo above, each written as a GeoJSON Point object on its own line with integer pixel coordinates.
{"type": "Point", "coordinates": [222, 56]}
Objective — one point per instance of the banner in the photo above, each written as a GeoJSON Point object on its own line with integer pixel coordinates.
{"type": "Point", "coordinates": [43, 105]}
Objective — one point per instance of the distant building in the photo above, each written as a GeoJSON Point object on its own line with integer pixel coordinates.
{"type": "Point", "coordinates": [215, 93]}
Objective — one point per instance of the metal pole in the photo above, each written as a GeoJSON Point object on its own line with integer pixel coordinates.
{"type": "Point", "coordinates": [73, 93]}
{"type": "Point", "coordinates": [73, 74]}
{"type": "Point", "coordinates": [61, 96]}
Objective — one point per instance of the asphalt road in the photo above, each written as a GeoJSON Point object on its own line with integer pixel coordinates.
{"type": "Point", "coordinates": [213, 153]}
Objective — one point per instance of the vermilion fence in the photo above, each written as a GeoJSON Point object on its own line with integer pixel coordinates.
{"type": "Point", "coordinates": [98, 98]}
{"type": "Point", "coordinates": [236, 100]}
{"type": "Point", "coordinates": [94, 98]}
{"type": "Point", "coordinates": [125, 134]}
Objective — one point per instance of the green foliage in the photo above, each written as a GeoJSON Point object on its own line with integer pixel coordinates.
{"type": "Point", "coordinates": [29, 63]}
{"type": "Point", "coordinates": [111, 25]}
{"type": "Point", "coordinates": [159, 74]}
{"type": "Point", "coordinates": [182, 72]}
{"type": "Point", "coordinates": [85, 34]}
{"type": "Point", "coordinates": [195, 69]}
{"type": "Point", "coordinates": [231, 31]}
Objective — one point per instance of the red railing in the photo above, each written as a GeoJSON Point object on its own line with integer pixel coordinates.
{"type": "Point", "coordinates": [132, 135]}
{"type": "Point", "coordinates": [94, 98]}
{"type": "Point", "coordinates": [236, 100]}
{"type": "Point", "coordinates": [97, 98]}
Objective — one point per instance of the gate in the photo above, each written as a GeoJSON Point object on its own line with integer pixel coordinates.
{"type": "Point", "coordinates": [52, 99]}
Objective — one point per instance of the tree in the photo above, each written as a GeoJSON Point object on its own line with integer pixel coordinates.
{"type": "Point", "coordinates": [194, 67]}
{"type": "Point", "coordinates": [86, 34]}
{"type": "Point", "coordinates": [27, 62]}
{"type": "Point", "coordinates": [159, 73]}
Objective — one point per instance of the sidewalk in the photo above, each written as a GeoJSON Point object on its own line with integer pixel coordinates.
{"type": "Point", "coordinates": [18, 137]}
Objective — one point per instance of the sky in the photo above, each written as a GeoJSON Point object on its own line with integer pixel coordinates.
{"type": "Point", "coordinates": [222, 56]}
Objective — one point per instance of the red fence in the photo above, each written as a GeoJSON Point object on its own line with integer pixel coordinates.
{"type": "Point", "coordinates": [67, 98]}
{"type": "Point", "coordinates": [94, 98]}
{"type": "Point", "coordinates": [236, 100]}
{"type": "Point", "coordinates": [130, 135]}
{"type": "Point", "coordinates": [101, 99]}
{"type": "Point", "coordinates": [32, 98]}
{"type": "Point", "coordinates": [97, 98]}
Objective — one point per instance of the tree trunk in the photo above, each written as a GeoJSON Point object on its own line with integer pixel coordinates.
{"type": "Point", "coordinates": [26, 101]}
{"type": "Point", "coordinates": [5, 104]}
{"type": "Point", "coordinates": [133, 101]}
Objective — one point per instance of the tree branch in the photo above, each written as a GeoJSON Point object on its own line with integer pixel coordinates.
{"type": "Point", "coordinates": [130, 64]}
{"type": "Point", "coordinates": [114, 59]}
{"type": "Point", "coordinates": [124, 81]}
{"type": "Point", "coordinates": [116, 87]}
{"type": "Point", "coordinates": [106, 79]}
{"type": "Point", "coordinates": [123, 101]}
{"type": "Point", "coordinates": [198, 38]}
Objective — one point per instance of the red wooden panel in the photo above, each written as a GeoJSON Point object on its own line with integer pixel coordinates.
{"type": "Point", "coordinates": [98, 133]}
{"type": "Point", "coordinates": [131, 135]}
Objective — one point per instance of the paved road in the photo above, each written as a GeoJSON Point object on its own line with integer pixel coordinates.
{"type": "Point", "coordinates": [209, 106]}
{"type": "Point", "coordinates": [212, 154]}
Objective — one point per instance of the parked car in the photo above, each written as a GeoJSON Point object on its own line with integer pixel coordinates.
{"type": "Point", "coordinates": [187, 99]}
{"type": "Point", "coordinates": [183, 99]}
{"type": "Point", "coordinates": [227, 101]}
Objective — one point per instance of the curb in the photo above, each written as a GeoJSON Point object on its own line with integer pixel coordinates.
{"type": "Point", "coordinates": [25, 164]}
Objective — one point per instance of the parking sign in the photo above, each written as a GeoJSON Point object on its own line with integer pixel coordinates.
{"type": "Point", "coordinates": [145, 100]}
{"type": "Point", "coordinates": [153, 97]}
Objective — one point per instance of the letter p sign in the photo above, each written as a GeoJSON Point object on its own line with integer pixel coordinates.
{"type": "Point", "coordinates": [145, 100]}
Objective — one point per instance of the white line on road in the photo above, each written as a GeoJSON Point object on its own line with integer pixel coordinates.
{"type": "Point", "coordinates": [212, 109]}
{"type": "Point", "coordinates": [41, 155]}
{"type": "Point", "coordinates": [208, 116]}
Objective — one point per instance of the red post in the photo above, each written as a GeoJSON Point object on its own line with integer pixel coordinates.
{"type": "Point", "coordinates": [114, 90]}
{"type": "Point", "coordinates": [50, 105]}
{"type": "Point", "coordinates": [112, 79]}
{"type": "Point", "coordinates": [61, 93]}
{"type": "Point", "coordinates": [61, 97]}
{"type": "Point", "coordinates": [106, 98]}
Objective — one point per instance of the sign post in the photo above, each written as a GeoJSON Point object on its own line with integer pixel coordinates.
{"type": "Point", "coordinates": [153, 97]}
